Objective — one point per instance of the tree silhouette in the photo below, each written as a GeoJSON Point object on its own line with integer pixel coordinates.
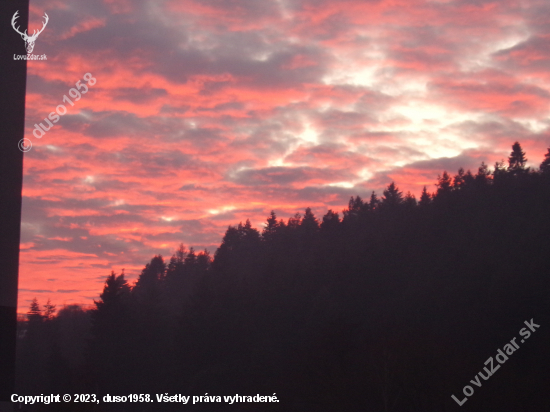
{"type": "Point", "coordinates": [355, 206]}
{"type": "Point", "coordinates": [425, 198]}
{"type": "Point", "coordinates": [49, 310]}
{"type": "Point", "coordinates": [374, 202]}
{"type": "Point", "coordinates": [309, 223]}
{"type": "Point", "coordinates": [271, 227]}
{"type": "Point", "coordinates": [517, 159]}
{"type": "Point", "coordinates": [410, 200]}
{"type": "Point", "coordinates": [483, 175]}
{"type": "Point", "coordinates": [114, 296]}
{"type": "Point", "coordinates": [111, 328]}
{"type": "Point", "coordinates": [175, 271]}
{"type": "Point", "coordinates": [459, 180]}
{"type": "Point", "coordinates": [545, 165]}
{"type": "Point", "coordinates": [444, 184]}
{"type": "Point", "coordinates": [392, 197]}
{"type": "Point", "coordinates": [294, 221]}
{"type": "Point", "coordinates": [148, 287]}
{"type": "Point", "coordinates": [35, 314]}
{"type": "Point", "coordinates": [330, 221]}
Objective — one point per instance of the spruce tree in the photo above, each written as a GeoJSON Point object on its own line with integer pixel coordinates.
{"type": "Point", "coordinates": [468, 178]}
{"type": "Point", "coordinates": [294, 221]}
{"type": "Point", "coordinates": [309, 222]}
{"type": "Point", "coordinates": [330, 221]}
{"type": "Point", "coordinates": [459, 179]}
{"type": "Point", "coordinates": [374, 202]}
{"type": "Point", "coordinates": [115, 292]}
{"type": "Point", "coordinates": [270, 227]}
{"type": "Point", "coordinates": [392, 196]}
{"type": "Point", "coordinates": [355, 205]}
{"type": "Point", "coordinates": [517, 160]}
{"type": "Point", "coordinates": [483, 174]}
{"type": "Point", "coordinates": [34, 314]}
{"type": "Point", "coordinates": [500, 172]}
{"type": "Point", "coordinates": [444, 183]}
{"type": "Point", "coordinates": [49, 310]}
{"type": "Point", "coordinates": [203, 261]}
{"type": "Point", "coordinates": [425, 198]}
{"type": "Point", "coordinates": [150, 278]}
{"type": "Point", "coordinates": [109, 354]}
{"type": "Point", "coordinates": [410, 200]}
{"type": "Point", "coordinates": [545, 165]}
{"type": "Point", "coordinates": [190, 260]}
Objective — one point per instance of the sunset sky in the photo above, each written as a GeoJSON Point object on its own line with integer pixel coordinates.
{"type": "Point", "coordinates": [206, 113]}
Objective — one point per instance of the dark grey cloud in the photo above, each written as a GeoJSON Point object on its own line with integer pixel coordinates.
{"type": "Point", "coordinates": [139, 95]}
{"type": "Point", "coordinates": [449, 164]}
{"type": "Point", "coordinates": [286, 175]}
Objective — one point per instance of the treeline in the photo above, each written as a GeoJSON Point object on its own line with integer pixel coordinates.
{"type": "Point", "coordinates": [393, 306]}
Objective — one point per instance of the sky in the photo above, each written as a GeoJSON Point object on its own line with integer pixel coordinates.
{"type": "Point", "coordinates": [206, 113]}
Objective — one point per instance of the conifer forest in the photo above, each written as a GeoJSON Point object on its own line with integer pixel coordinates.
{"type": "Point", "coordinates": [395, 303]}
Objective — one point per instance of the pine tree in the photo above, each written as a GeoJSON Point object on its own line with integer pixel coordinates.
{"type": "Point", "coordinates": [190, 260]}
{"type": "Point", "coordinates": [115, 291]}
{"type": "Point", "coordinates": [177, 258]}
{"type": "Point", "coordinates": [294, 221]}
{"type": "Point", "coordinates": [34, 314]}
{"type": "Point", "coordinates": [545, 165]}
{"type": "Point", "coordinates": [468, 178]}
{"type": "Point", "coordinates": [355, 205]}
{"type": "Point", "coordinates": [409, 200]}
{"type": "Point", "coordinates": [203, 261]}
{"type": "Point", "coordinates": [49, 310]}
{"type": "Point", "coordinates": [174, 283]}
{"type": "Point", "coordinates": [249, 234]}
{"type": "Point", "coordinates": [374, 202]}
{"type": "Point", "coordinates": [392, 196]}
{"type": "Point", "coordinates": [148, 285]}
{"type": "Point", "coordinates": [483, 174]}
{"type": "Point", "coordinates": [309, 222]}
{"type": "Point", "coordinates": [444, 183]}
{"type": "Point", "coordinates": [425, 198]}
{"type": "Point", "coordinates": [224, 253]}
{"type": "Point", "coordinates": [109, 353]}
{"type": "Point", "coordinates": [459, 179]}
{"type": "Point", "coordinates": [500, 171]}
{"type": "Point", "coordinates": [517, 160]}
{"type": "Point", "coordinates": [175, 266]}
{"type": "Point", "coordinates": [270, 228]}
{"type": "Point", "coordinates": [238, 245]}
{"type": "Point", "coordinates": [330, 221]}
{"type": "Point", "coordinates": [230, 240]}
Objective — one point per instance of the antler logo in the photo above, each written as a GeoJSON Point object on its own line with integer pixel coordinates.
{"type": "Point", "coordinates": [29, 40]}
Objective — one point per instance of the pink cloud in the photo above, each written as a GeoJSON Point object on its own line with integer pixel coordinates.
{"type": "Point", "coordinates": [207, 113]}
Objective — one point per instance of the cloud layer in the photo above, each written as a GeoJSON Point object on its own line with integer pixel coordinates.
{"type": "Point", "coordinates": [209, 112]}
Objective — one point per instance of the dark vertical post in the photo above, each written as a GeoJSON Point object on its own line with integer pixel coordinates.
{"type": "Point", "coordinates": [13, 77]}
